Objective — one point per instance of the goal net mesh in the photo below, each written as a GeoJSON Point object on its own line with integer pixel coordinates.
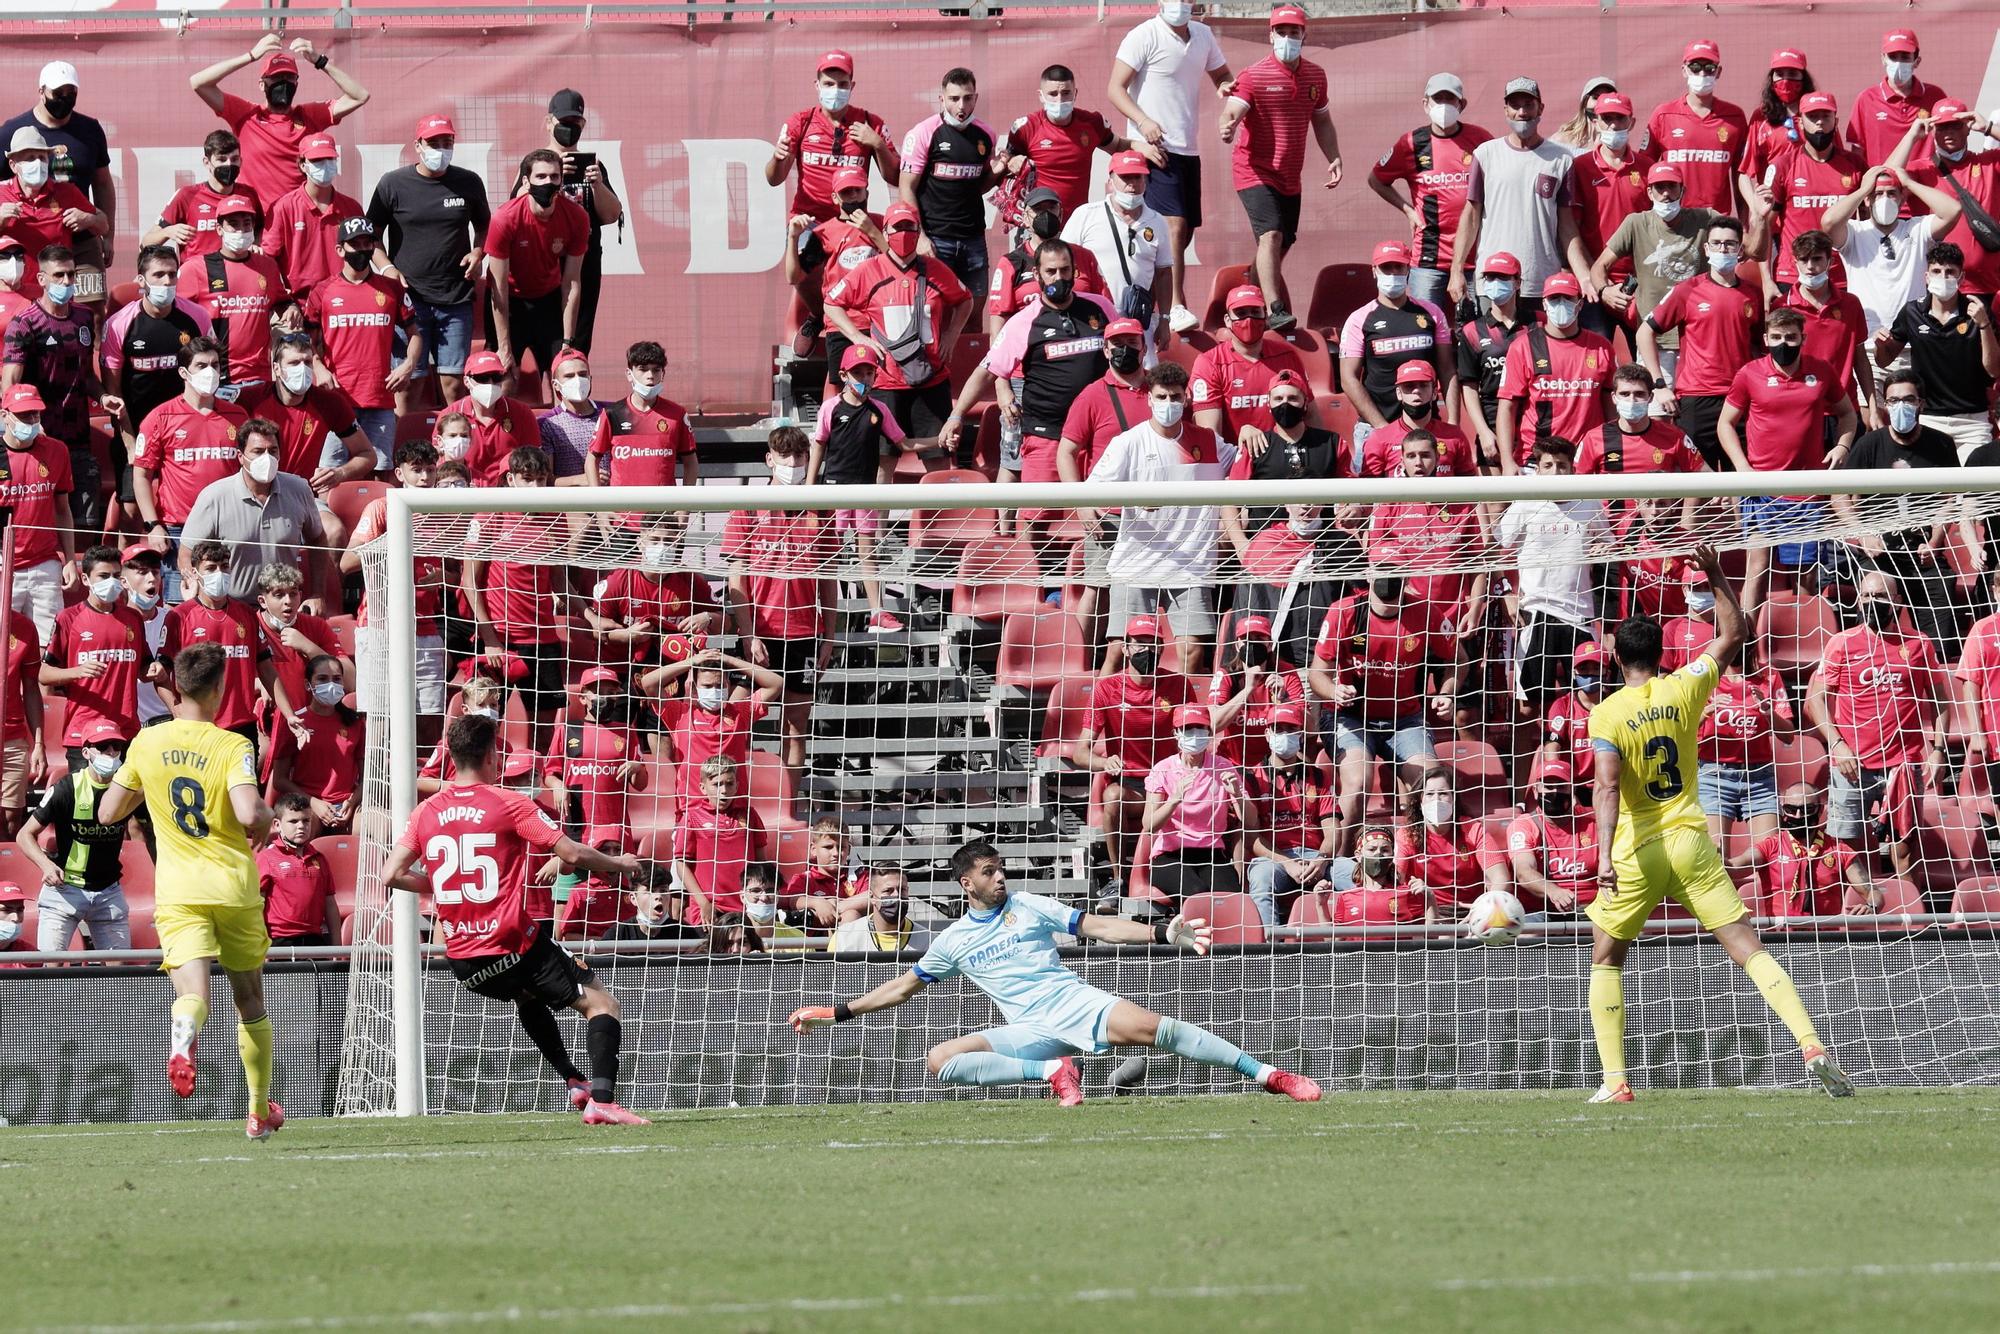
{"type": "Point", "coordinates": [1395, 693]}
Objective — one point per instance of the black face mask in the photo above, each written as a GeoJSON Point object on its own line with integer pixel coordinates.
{"type": "Point", "coordinates": [226, 175]}
{"type": "Point", "coordinates": [279, 95]}
{"type": "Point", "coordinates": [361, 260]}
{"type": "Point", "coordinates": [1784, 354]}
{"type": "Point", "coordinates": [1289, 415]}
{"type": "Point", "coordinates": [59, 105]}
{"type": "Point", "coordinates": [1144, 661]}
{"type": "Point", "coordinates": [1803, 821]}
{"type": "Point", "coordinates": [1378, 868]}
{"type": "Point", "coordinates": [1819, 139]}
{"type": "Point", "coordinates": [1057, 292]}
{"type": "Point", "coordinates": [543, 193]}
{"type": "Point", "coordinates": [1880, 615]}
{"type": "Point", "coordinates": [891, 909]}
{"type": "Point", "coordinates": [1419, 413]}
{"type": "Point", "coordinates": [1388, 590]}
{"type": "Point", "coordinates": [1124, 358]}
{"type": "Point", "coordinates": [1256, 653]}
{"type": "Point", "coordinates": [1558, 801]}
{"type": "Point", "coordinates": [1046, 224]}
{"type": "Point", "coordinates": [566, 134]}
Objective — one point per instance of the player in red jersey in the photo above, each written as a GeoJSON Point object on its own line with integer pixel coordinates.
{"type": "Point", "coordinates": [470, 848]}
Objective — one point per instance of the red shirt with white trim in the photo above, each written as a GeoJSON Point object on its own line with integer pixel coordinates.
{"type": "Point", "coordinates": [666, 600]}
{"type": "Point", "coordinates": [1721, 330]}
{"type": "Point", "coordinates": [328, 765]}
{"type": "Point", "coordinates": [1270, 144]}
{"type": "Point", "coordinates": [1803, 879]}
{"type": "Point", "coordinates": [1682, 640]}
{"type": "Point", "coordinates": [521, 593]}
{"type": "Point", "coordinates": [1093, 420]}
{"type": "Point", "coordinates": [1605, 196]}
{"type": "Point", "coordinates": [1739, 726]}
{"type": "Point", "coordinates": [303, 426]}
{"type": "Point", "coordinates": [1241, 387]}
{"type": "Point", "coordinates": [1565, 851]}
{"type": "Point", "coordinates": [233, 626]}
{"type": "Point", "coordinates": [1805, 187]}
{"type": "Point", "coordinates": [514, 426]}
{"type": "Point", "coordinates": [1451, 863]}
{"type": "Point", "coordinates": [1882, 113]}
{"type": "Point", "coordinates": [784, 558]}
{"type": "Point", "coordinates": [1566, 726]}
{"type": "Point", "coordinates": [116, 638]}
{"type": "Point", "coordinates": [303, 238]}
{"type": "Point", "coordinates": [428, 570]}
{"type": "Point", "coordinates": [1134, 719]}
{"type": "Point", "coordinates": [1833, 330]}
{"type": "Point", "coordinates": [271, 139]}
{"type": "Point", "coordinates": [295, 883]}
{"type": "Point", "coordinates": [587, 758]}
{"type": "Point", "coordinates": [650, 453]}
{"type": "Point", "coordinates": [1704, 146]}
{"type": "Point", "coordinates": [1243, 743]}
{"type": "Point", "coordinates": [251, 285]}
{"type": "Point", "coordinates": [184, 449]}
{"type": "Point", "coordinates": [876, 288]}
{"type": "Point", "coordinates": [1382, 455]}
{"type": "Point", "coordinates": [1884, 691]}
{"type": "Point", "coordinates": [358, 323]}
{"type": "Point", "coordinates": [1292, 804]}
{"type": "Point", "coordinates": [194, 206]}
{"type": "Point", "coordinates": [477, 846]}
{"type": "Point", "coordinates": [288, 663]}
{"type": "Point", "coordinates": [695, 735]}
{"type": "Point", "coordinates": [822, 148]}
{"type": "Point", "coordinates": [717, 847]}
{"type": "Point", "coordinates": [1438, 170]}
{"type": "Point", "coordinates": [33, 478]}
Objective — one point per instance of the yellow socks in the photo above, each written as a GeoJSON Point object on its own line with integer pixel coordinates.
{"type": "Point", "coordinates": [190, 1015]}
{"type": "Point", "coordinates": [1607, 1019]}
{"type": "Point", "coordinates": [1783, 998]}
{"type": "Point", "coordinates": [253, 1044]}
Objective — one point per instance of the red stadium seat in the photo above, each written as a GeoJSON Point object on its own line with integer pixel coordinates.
{"type": "Point", "coordinates": [1140, 882]}
{"type": "Point", "coordinates": [932, 530]}
{"type": "Point", "coordinates": [1794, 630]}
{"type": "Point", "coordinates": [121, 295]}
{"type": "Point", "coordinates": [1978, 895]}
{"type": "Point", "coordinates": [1316, 357]}
{"type": "Point", "coordinates": [1338, 291]}
{"type": "Point", "coordinates": [1801, 759]}
{"type": "Point", "coordinates": [1233, 918]}
{"type": "Point", "coordinates": [343, 628]}
{"type": "Point", "coordinates": [1899, 897]}
{"type": "Point", "coordinates": [967, 353]}
{"type": "Point", "coordinates": [796, 314]}
{"type": "Point", "coordinates": [1337, 414]}
{"type": "Point", "coordinates": [1066, 715]}
{"type": "Point", "coordinates": [997, 576]}
{"type": "Point", "coordinates": [415, 426]}
{"type": "Point", "coordinates": [1483, 784]}
{"type": "Point", "coordinates": [1040, 648]}
{"type": "Point", "coordinates": [350, 498]}
{"type": "Point", "coordinates": [343, 863]}
{"type": "Point", "coordinates": [1309, 910]}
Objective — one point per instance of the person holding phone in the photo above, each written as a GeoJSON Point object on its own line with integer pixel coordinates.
{"type": "Point", "coordinates": [584, 182]}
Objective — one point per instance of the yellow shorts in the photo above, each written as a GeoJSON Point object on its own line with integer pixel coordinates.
{"type": "Point", "coordinates": [234, 936]}
{"type": "Point", "coordinates": [1681, 862]}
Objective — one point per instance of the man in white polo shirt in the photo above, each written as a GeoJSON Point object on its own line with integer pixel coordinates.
{"type": "Point", "coordinates": [1129, 241]}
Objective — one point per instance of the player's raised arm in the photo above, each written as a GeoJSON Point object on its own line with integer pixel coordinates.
{"type": "Point", "coordinates": [885, 997]}
{"type": "Point", "coordinates": [1732, 623]}
{"type": "Point", "coordinates": [572, 853]}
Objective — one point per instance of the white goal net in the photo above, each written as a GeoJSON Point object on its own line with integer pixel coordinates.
{"type": "Point", "coordinates": [1326, 716]}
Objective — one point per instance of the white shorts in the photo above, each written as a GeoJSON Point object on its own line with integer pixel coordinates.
{"type": "Point", "coordinates": [38, 594]}
{"type": "Point", "coordinates": [1074, 1025]}
{"type": "Point", "coordinates": [371, 672]}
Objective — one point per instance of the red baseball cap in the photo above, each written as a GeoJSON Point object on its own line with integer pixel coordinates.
{"type": "Point", "coordinates": [11, 242]}
{"type": "Point", "coordinates": [318, 147]}
{"type": "Point", "coordinates": [1614, 104]}
{"type": "Point", "coordinates": [1884, 178]}
{"type": "Point", "coordinates": [136, 552]}
{"type": "Point", "coordinates": [101, 731]}
{"type": "Point", "coordinates": [1292, 378]}
{"type": "Point", "coordinates": [1788, 57]}
{"type": "Point", "coordinates": [1390, 252]}
{"type": "Point", "coordinates": [569, 356]}
{"type": "Point", "coordinates": [1950, 110]}
{"type": "Point", "coordinates": [235, 206]}
{"type": "Point", "coordinates": [1818, 101]}
{"type": "Point", "coordinates": [1900, 39]}
{"type": "Point", "coordinates": [1142, 627]}
{"type": "Point", "coordinates": [1288, 14]}
{"type": "Point", "coordinates": [1130, 164]}
{"type": "Point", "coordinates": [598, 676]}
{"type": "Point", "coordinates": [900, 211]}
{"type": "Point", "coordinates": [1664, 173]}
{"type": "Point", "coordinates": [1191, 715]}
{"type": "Point", "coordinates": [1416, 372]}
{"type": "Point", "coordinates": [849, 179]}
{"type": "Point", "coordinates": [1259, 626]}
{"type": "Point", "coordinates": [839, 60]}
{"type": "Point", "coordinates": [1244, 297]}
{"type": "Point", "coordinates": [1557, 771]}
{"type": "Point", "coordinates": [430, 127]}
{"type": "Point", "coordinates": [1501, 262]}
{"type": "Point", "coordinates": [483, 362]}
{"type": "Point", "coordinates": [1562, 283]}
{"type": "Point", "coordinates": [1286, 715]}
{"type": "Point", "coordinates": [22, 398]}
{"type": "Point", "coordinates": [1701, 49]}
{"type": "Point", "coordinates": [859, 355]}
{"type": "Point", "coordinates": [12, 893]}
{"type": "Point", "coordinates": [520, 764]}
{"type": "Point", "coordinates": [1588, 653]}
{"type": "Point", "coordinates": [278, 62]}
{"type": "Point", "coordinates": [1125, 328]}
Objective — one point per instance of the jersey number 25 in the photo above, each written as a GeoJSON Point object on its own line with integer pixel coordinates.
{"type": "Point", "coordinates": [465, 855]}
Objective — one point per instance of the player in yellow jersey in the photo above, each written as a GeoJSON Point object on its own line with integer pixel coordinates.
{"type": "Point", "coordinates": [200, 787]}
{"type": "Point", "coordinates": [1649, 817]}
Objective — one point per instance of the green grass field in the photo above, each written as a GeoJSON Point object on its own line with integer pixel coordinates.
{"type": "Point", "coordinates": [1684, 1211]}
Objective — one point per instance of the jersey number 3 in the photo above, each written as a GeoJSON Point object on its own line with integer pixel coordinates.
{"type": "Point", "coordinates": [1665, 755]}
{"type": "Point", "coordinates": [449, 856]}
{"type": "Point", "coordinates": [190, 807]}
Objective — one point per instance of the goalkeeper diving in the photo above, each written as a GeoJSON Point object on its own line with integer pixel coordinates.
{"type": "Point", "coordinates": [1004, 946]}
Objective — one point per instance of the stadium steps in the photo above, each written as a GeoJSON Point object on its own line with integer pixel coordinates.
{"type": "Point", "coordinates": [927, 673]}
{"type": "Point", "coordinates": [943, 710]}
{"type": "Point", "coordinates": [911, 748]}
{"type": "Point", "coordinates": [876, 816]}
{"type": "Point", "coordinates": [926, 787]}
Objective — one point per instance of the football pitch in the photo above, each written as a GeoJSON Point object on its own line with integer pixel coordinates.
{"type": "Point", "coordinates": [1684, 1211]}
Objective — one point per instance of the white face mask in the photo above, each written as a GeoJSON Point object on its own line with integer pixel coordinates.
{"type": "Point", "coordinates": [143, 602]}
{"type": "Point", "coordinates": [711, 698]}
{"type": "Point", "coordinates": [1701, 85]}
{"type": "Point", "coordinates": [215, 583]}
{"type": "Point", "coordinates": [1167, 411]}
{"type": "Point", "coordinates": [763, 911]}
{"type": "Point", "coordinates": [32, 172]}
{"type": "Point", "coordinates": [205, 380]}
{"type": "Point", "coordinates": [657, 557]}
{"type": "Point", "coordinates": [1058, 109]}
{"type": "Point", "coordinates": [1437, 811]}
{"type": "Point", "coordinates": [1392, 285]}
{"type": "Point", "coordinates": [107, 589]}
{"type": "Point", "coordinates": [235, 240]}
{"type": "Point", "coordinates": [297, 377]}
{"type": "Point", "coordinates": [1287, 49]}
{"type": "Point", "coordinates": [481, 712]}
{"type": "Point", "coordinates": [10, 931]}
{"type": "Point", "coordinates": [576, 388]}
{"type": "Point", "coordinates": [1816, 280]}
{"type": "Point", "coordinates": [833, 101]}
{"type": "Point", "coordinates": [12, 271]}
{"type": "Point", "coordinates": [263, 469]}
{"type": "Point", "coordinates": [1885, 210]}
{"type": "Point", "coordinates": [788, 474]}
{"type": "Point", "coordinates": [1701, 603]}
{"type": "Point", "coordinates": [1615, 140]}
{"type": "Point", "coordinates": [1176, 12]}
{"type": "Point", "coordinates": [25, 432]}
{"type": "Point", "coordinates": [1125, 199]}
{"type": "Point", "coordinates": [103, 765]}
{"type": "Point", "coordinates": [1523, 127]}
{"type": "Point", "coordinates": [454, 446]}
{"type": "Point", "coordinates": [1944, 289]}
{"type": "Point", "coordinates": [1667, 209]}
{"type": "Point", "coordinates": [1306, 527]}
{"type": "Point", "coordinates": [1496, 290]}
{"type": "Point", "coordinates": [1194, 740]}
{"type": "Point", "coordinates": [1444, 115]}
{"type": "Point", "coordinates": [323, 172]}
{"type": "Point", "coordinates": [1285, 744]}
{"type": "Point", "coordinates": [434, 159]}
{"type": "Point", "coordinates": [1561, 311]}
{"type": "Point", "coordinates": [1634, 409]}
{"type": "Point", "coordinates": [645, 393]}
{"type": "Point", "coordinates": [157, 294]}
{"type": "Point", "coordinates": [1899, 71]}
{"type": "Point", "coordinates": [329, 693]}
{"type": "Point", "coordinates": [1723, 263]}
{"type": "Point", "coordinates": [956, 121]}
{"type": "Point", "coordinates": [486, 395]}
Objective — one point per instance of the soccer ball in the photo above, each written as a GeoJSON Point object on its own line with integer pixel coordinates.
{"type": "Point", "coordinates": [1495, 918]}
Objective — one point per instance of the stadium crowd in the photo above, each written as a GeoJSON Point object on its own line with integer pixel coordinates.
{"type": "Point", "coordinates": [197, 452]}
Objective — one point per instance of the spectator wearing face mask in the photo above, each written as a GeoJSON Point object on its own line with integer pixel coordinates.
{"type": "Point", "coordinates": [1658, 248]}
{"type": "Point", "coordinates": [1483, 342]}
{"type": "Point", "coordinates": [1434, 164]}
{"type": "Point", "coordinates": [1566, 724]}
{"type": "Point", "coordinates": [272, 132]}
{"type": "Point", "coordinates": [1419, 407]}
{"type": "Point", "coordinates": [13, 278]}
{"type": "Point", "coordinates": [1880, 702]}
{"type": "Point", "coordinates": [819, 252]}
{"type": "Point", "coordinates": [1016, 281]}
{"type": "Point", "coordinates": [1433, 542]}
{"type": "Point", "coordinates": [714, 716]}
{"type": "Point", "coordinates": [1700, 133]}
{"type": "Point", "coordinates": [569, 426]}
{"type": "Point", "coordinates": [1060, 142]}
{"type": "Point", "coordinates": [1552, 850]}
{"type": "Point", "coordinates": [79, 153]}
{"type": "Point", "coordinates": [50, 344]}
{"type": "Point", "coordinates": [499, 425]}
{"type": "Point", "coordinates": [534, 266]}
{"type": "Point", "coordinates": [1718, 319]}
{"type": "Point", "coordinates": [1127, 732]}
{"type": "Point", "coordinates": [320, 440]}
{"type": "Point", "coordinates": [589, 187]}
{"type": "Point", "coordinates": [519, 603]}
{"type": "Point", "coordinates": [1610, 181]}
{"type": "Point", "coordinates": [1882, 251]}
{"type": "Point", "coordinates": [1379, 895]}
{"type": "Point", "coordinates": [35, 491]}
{"type": "Point", "coordinates": [1579, 132]}
{"type": "Point", "coordinates": [359, 314]}
{"type": "Point", "coordinates": [886, 928]}
{"type": "Point", "coordinates": [416, 468]}
{"type": "Point", "coordinates": [1246, 685]}
{"type": "Point", "coordinates": [479, 696]}
{"type": "Point", "coordinates": [911, 313]}
{"type": "Point", "coordinates": [1230, 385]}
{"type": "Point", "coordinates": [1521, 199]}
{"type": "Point", "coordinates": [1803, 178]}
{"type": "Point", "coordinates": [1896, 103]}
{"type": "Point", "coordinates": [214, 616]}
{"type": "Point", "coordinates": [1446, 855]}
{"type": "Point", "coordinates": [1129, 242]}
{"type": "Point", "coordinates": [1294, 824]}
{"type": "Point", "coordinates": [237, 285]}
{"type": "Point", "coordinates": [294, 638]}
{"type": "Point", "coordinates": [761, 911]}
{"type": "Point", "coordinates": [1683, 638]}
{"type": "Point", "coordinates": [1288, 448]}
{"type": "Point", "coordinates": [1196, 810]}
{"type": "Point", "coordinates": [643, 439]}
{"type": "Point", "coordinates": [1836, 327]}
{"type": "Point", "coordinates": [1954, 351]}
{"type": "Point", "coordinates": [264, 516]}
{"type": "Point", "coordinates": [1748, 714]}
{"type": "Point", "coordinates": [1774, 123]}
{"type": "Point", "coordinates": [305, 230]}
{"type": "Point", "coordinates": [1634, 440]}
{"type": "Point", "coordinates": [97, 656]}
{"type": "Point", "coordinates": [190, 223]}
{"type": "Point", "coordinates": [642, 610]}
{"type": "Point", "coordinates": [317, 752]}
{"type": "Point", "coordinates": [947, 167]}
{"type": "Point", "coordinates": [1803, 873]}
{"type": "Point", "coordinates": [1953, 169]}
{"type": "Point", "coordinates": [38, 210]}
{"type": "Point", "coordinates": [1558, 378]}
{"type": "Point", "coordinates": [827, 138]}
{"type": "Point", "coordinates": [1382, 336]}
{"type": "Point", "coordinates": [82, 868]}
{"type": "Point", "coordinates": [183, 445]}
{"type": "Point", "coordinates": [430, 223]}
{"type": "Point", "coordinates": [140, 351]}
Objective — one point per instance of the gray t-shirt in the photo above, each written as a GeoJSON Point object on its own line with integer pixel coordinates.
{"type": "Point", "coordinates": [274, 530]}
{"type": "Point", "coordinates": [1663, 254]}
{"type": "Point", "coordinates": [1521, 193]}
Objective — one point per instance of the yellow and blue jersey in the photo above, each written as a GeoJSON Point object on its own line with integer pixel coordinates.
{"type": "Point", "coordinates": [185, 769]}
{"type": "Point", "coordinates": [1652, 728]}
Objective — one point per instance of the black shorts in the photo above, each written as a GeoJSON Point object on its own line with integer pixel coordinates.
{"type": "Point", "coordinates": [1181, 875]}
{"type": "Point", "coordinates": [1174, 191]}
{"type": "Point", "coordinates": [797, 660]}
{"type": "Point", "coordinates": [1697, 418]}
{"type": "Point", "coordinates": [534, 324]}
{"type": "Point", "coordinates": [544, 972]}
{"type": "Point", "coordinates": [920, 412]}
{"type": "Point", "coordinates": [1548, 647]}
{"type": "Point", "coordinates": [545, 689]}
{"type": "Point", "coordinates": [1271, 212]}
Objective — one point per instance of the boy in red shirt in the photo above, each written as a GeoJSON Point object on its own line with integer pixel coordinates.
{"type": "Point", "coordinates": [714, 844]}
{"type": "Point", "coordinates": [831, 887]}
{"type": "Point", "coordinates": [643, 439]}
{"type": "Point", "coordinates": [292, 638]}
{"type": "Point", "coordinates": [299, 903]}
{"type": "Point", "coordinates": [213, 617]}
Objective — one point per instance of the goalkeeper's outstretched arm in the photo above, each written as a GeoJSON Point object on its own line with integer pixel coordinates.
{"type": "Point", "coordinates": [1189, 933]}
{"type": "Point", "coordinates": [885, 997]}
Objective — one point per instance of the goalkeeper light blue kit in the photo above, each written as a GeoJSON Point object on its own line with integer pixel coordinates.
{"type": "Point", "coordinates": [1010, 954]}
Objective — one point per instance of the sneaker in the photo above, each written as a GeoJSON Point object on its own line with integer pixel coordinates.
{"type": "Point", "coordinates": [611, 1114]}
{"type": "Point", "coordinates": [260, 1127]}
{"type": "Point", "coordinates": [1831, 1077]}
{"type": "Point", "coordinates": [807, 337]}
{"type": "Point", "coordinates": [579, 1094]}
{"type": "Point", "coordinates": [1619, 1092]}
{"type": "Point", "coordinates": [1278, 318]}
{"type": "Point", "coordinates": [1066, 1084]}
{"type": "Point", "coordinates": [180, 1070]}
{"type": "Point", "coordinates": [1181, 320]}
{"type": "Point", "coordinates": [884, 623]}
{"type": "Point", "coordinates": [1296, 1087]}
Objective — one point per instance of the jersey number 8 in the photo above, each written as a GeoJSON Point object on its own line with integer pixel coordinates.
{"type": "Point", "coordinates": [447, 856]}
{"type": "Point", "coordinates": [190, 807]}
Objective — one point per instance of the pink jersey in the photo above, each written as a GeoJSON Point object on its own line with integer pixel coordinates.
{"type": "Point", "coordinates": [477, 844]}
{"type": "Point", "coordinates": [1884, 691]}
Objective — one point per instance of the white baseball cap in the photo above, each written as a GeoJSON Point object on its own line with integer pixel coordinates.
{"type": "Point", "coordinates": [58, 74]}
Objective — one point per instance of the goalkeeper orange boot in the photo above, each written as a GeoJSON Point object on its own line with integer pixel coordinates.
{"type": "Point", "coordinates": [1831, 1077]}
{"type": "Point", "coordinates": [260, 1127]}
{"type": "Point", "coordinates": [1066, 1084]}
{"type": "Point", "coordinates": [611, 1114]}
{"type": "Point", "coordinates": [579, 1094]}
{"type": "Point", "coordinates": [180, 1070]}
{"type": "Point", "coordinates": [1296, 1087]}
{"type": "Point", "coordinates": [1618, 1092]}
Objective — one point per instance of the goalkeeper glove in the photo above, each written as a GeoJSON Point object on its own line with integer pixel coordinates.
{"type": "Point", "coordinates": [1188, 933]}
{"type": "Point", "coordinates": [808, 1017]}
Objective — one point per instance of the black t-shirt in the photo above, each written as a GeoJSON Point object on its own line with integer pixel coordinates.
{"type": "Point", "coordinates": [78, 150]}
{"type": "Point", "coordinates": [1065, 356]}
{"type": "Point", "coordinates": [1316, 454]}
{"type": "Point", "coordinates": [950, 194]}
{"type": "Point", "coordinates": [1945, 357]}
{"type": "Point", "coordinates": [1931, 448]}
{"type": "Point", "coordinates": [1390, 336]}
{"type": "Point", "coordinates": [151, 372]}
{"type": "Point", "coordinates": [1482, 360]}
{"type": "Point", "coordinates": [427, 225]}
{"type": "Point", "coordinates": [855, 442]}
{"type": "Point", "coordinates": [86, 850]}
